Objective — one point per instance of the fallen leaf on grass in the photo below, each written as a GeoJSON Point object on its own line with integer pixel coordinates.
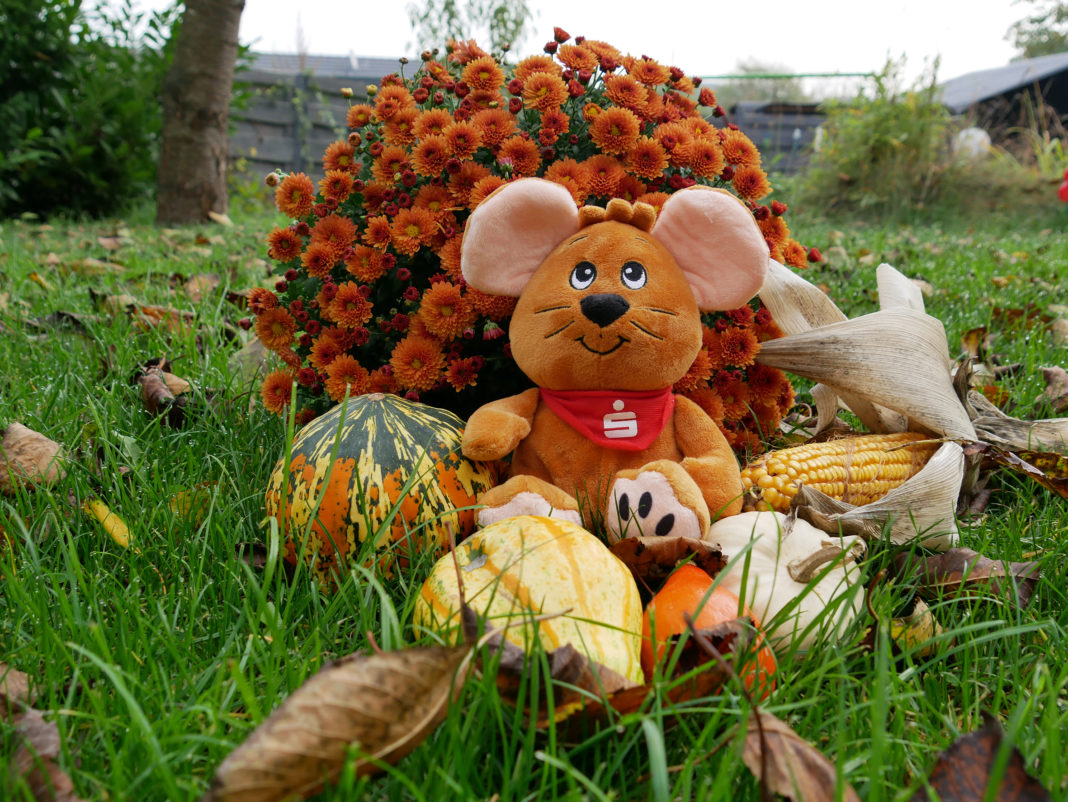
{"type": "Point", "coordinates": [90, 267]}
{"type": "Point", "coordinates": [111, 523]}
{"type": "Point", "coordinates": [1029, 317]}
{"type": "Point", "coordinates": [1048, 469]}
{"type": "Point", "coordinates": [15, 691]}
{"type": "Point", "coordinates": [917, 630]}
{"type": "Point", "coordinates": [1056, 391]}
{"type": "Point", "coordinates": [383, 704]}
{"type": "Point", "coordinates": [787, 764]}
{"type": "Point", "coordinates": [35, 756]}
{"type": "Point", "coordinates": [159, 396]}
{"type": "Point", "coordinates": [111, 243]}
{"type": "Point", "coordinates": [221, 219]}
{"type": "Point", "coordinates": [652, 559]}
{"type": "Point", "coordinates": [197, 286]}
{"type": "Point", "coordinates": [40, 281]}
{"type": "Point", "coordinates": [962, 772]}
{"type": "Point", "coordinates": [145, 316]}
{"type": "Point", "coordinates": [962, 571]}
{"type": "Point", "coordinates": [27, 458]}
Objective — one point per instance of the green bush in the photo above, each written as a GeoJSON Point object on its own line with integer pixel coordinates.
{"type": "Point", "coordinates": [79, 105]}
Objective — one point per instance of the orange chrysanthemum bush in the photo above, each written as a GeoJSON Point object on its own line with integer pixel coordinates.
{"type": "Point", "coordinates": [370, 296]}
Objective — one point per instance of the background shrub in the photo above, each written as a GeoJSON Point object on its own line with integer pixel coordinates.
{"type": "Point", "coordinates": [79, 105]}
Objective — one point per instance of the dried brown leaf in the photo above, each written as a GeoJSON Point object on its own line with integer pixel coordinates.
{"type": "Point", "coordinates": [15, 691]}
{"type": "Point", "coordinates": [383, 704]}
{"type": "Point", "coordinates": [27, 458]}
{"type": "Point", "coordinates": [788, 765]}
{"type": "Point", "coordinates": [196, 287]}
{"type": "Point", "coordinates": [963, 771]}
{"type": "Point", "coordinates": [976, 343]}
{"type": "Point", "coordinates": [158, 398]}
{"type": "Point", "coordinates": [110, 243]}
{"type": "Point", "coordinates": [652, 559]}
{"type": "Point", "coordinates": [221, 219]}
{"type": "Point", "coordinates": [1056, 391]}
{"type": "Point", "coordinates": [962, 571]}
{"type": "Point", "coordinates": [35, 756]}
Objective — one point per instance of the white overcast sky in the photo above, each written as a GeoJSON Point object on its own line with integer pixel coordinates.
{"type": "Point", "coordinates": [703, 37]}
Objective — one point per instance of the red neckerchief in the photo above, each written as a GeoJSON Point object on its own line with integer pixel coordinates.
{"type": "Point", "coordinates": [627, 420]}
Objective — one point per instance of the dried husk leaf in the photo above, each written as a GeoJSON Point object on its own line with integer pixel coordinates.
{"type": "Point", "coordinates": [789, 765]}
{"type": "Point", "coordinates": [386, 704]}
{"type": "Point", "coordinates": [995, 427]}
{"type": "Point", "coordinates": [897, 358]}
{"type": "Point", "coordinates": [799, 306]}
{"type": "Point", "coordinates": [964, 571]}
{"type": "Point", "coordinates": [826, 400]}
{"type": "Point", "coordinates": [28, 458]}
{"type": "Point", "coordinates": [652, 559]}
{"type": "Point", "coordinates": [921, 508]}
{"type": "Point", "coordinates": [897, 291]}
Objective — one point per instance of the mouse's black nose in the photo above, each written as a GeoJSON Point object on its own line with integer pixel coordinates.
{"type": "Point", "coordinates": [604, 307]}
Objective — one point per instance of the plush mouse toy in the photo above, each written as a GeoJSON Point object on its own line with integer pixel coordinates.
{"type": "Point", "coordinates": [608, 319]}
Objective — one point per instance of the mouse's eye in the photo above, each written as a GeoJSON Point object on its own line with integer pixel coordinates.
{"type": "Point", "coordinates": [633, 275]}
{"type": "Point", "coordinates": [583, 275]}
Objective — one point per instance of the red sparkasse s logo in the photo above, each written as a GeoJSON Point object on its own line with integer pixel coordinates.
{"type": "Point", "coordinates": [620, 419]}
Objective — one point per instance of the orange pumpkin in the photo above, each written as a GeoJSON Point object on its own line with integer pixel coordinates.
{"type": "Point", "coordinates": [689, 591]}
{"type": "Point", "coordinates": [398, 480]}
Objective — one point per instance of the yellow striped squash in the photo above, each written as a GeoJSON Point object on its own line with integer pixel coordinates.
{"type": "Point", "coordinates": [531, 564]}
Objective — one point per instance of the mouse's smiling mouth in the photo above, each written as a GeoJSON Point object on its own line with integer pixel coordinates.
{"type": "Point", "coordinates": [582, 341]}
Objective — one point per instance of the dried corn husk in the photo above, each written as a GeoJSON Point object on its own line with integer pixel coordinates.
{"type": "Point", "coordinates": [897, 358]}
{"type": "Point", "coordinates": [896, 291]}
{"type": "Point", "coordinates": [995, 427]}
{"type": "Point", "coordinates": [921, 508]}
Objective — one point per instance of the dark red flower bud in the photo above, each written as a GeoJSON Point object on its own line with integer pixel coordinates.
{"type": "Point", "coordinates": [719, 112]}
{"type": "Point", "coordinates": [358, 185]}
{"type": "Point", "coordinates": [321, 210]}
{"type": "Point", "coordinates": [573, 139]}
{"type": "Point", "coordinates": [515, 87]}
{"type": "Point", "coordinates": [732, 126]}
{"type": "Point", "coordinates": [375, 149]}
{"type": "Point", "coordinates": [329, 290]}
{"type": "Point", "coordinates": [453, 166]}
{"type": "Point", "coordinates": [515, 105]}
{"type": "Point", "coordinates": [575, 89]}
{"type": "Point", "coordinates": [696, 80]}
{"type": "Point", "coordinates": [608, 64]}
{"type": "Point", "coordinates": [306, 377]}
{"type": "Point", "coordinates": [281, 285]}
{"type": "Point", "coordinates": [676, 181]}
{"type": "Point", "coordinates": [439, 97]}
{"type": "Point", "coordinates": [814, 254]}
{"type": "Point", "coordinates": [580, 39]}
{"type": "Point", "coordinates": [391, 209]}
{"type": "Point", "coordinates": [361, 336]}
{"type": "Point", "coordinates": [365, 290]}
{"type": "Point", "coordinates": [404, 200]}
{"type": "Point", "coordinates": [584, 76]}
{"type": "Point", "coordinates": [331, 203]}
{"type": "Point", "coordinates": [567, 74]}
{"type": "Point", "coordinates": [292, 275]}
{"type": "Point", "coordinates": [313, 327]}
{"type": "Point", "coordinates": [761, 212]}
{"type": "Point", "coordinates": [305, 340]}
{"type": "Point", "coordinates": [469, 334]}
{"type": "Point", "coordinates": [548, 153]}
{"type": "Point", "coordinates": [400, 322]}
{"type": "Point", "coordinates": [412, 395]}
{"type": "Point", "coordinates": [403, 273]}
{"type": "Point", "coordinates": [689, 181]}
{"type": "Point", "coordinates": [550, 47]}
{"type": "Point", "coordinates": [677, 74]}
{"type": "Point", "coordinates": [721, 324]}
{"type": "Point", "coordinates": [245, 323]}
{"type": "Point", "coordinates": [427, 82]}
{"type": "Point", "coordinates": [778, 208]}
{"type": "Point", "coordinates": [389, 261]}
{"type": "Point", "coordinates": [560, 35]}
{"type": "Point", "coordinates": [727, 174]}
{"type": "Point", "coordinates": [408, 178]}
{"type": "Point", "coordinates": [420, 95]}
{"type": "Point", "coordinates": [411, 294]}
{"type": "Point", "coordinates": [461, 89]}
{"type": "Point", "coordinates": [450, 85]}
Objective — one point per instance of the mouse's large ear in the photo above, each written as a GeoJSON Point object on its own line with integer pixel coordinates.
{"type": "Point", "coordinates": [717, 243]}
{"type": "Point", "coordinates": [512, 232]}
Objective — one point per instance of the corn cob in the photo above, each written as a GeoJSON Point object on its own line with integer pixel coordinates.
{"type": "Point", "coordinates": [857, 470]}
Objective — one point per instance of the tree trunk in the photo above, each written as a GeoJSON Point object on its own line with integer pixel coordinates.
{"type": "Point", "coordinates": [196, 110]}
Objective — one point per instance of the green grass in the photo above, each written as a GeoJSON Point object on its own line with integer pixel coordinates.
{"type": "Point", "coordinates": [158, 661]}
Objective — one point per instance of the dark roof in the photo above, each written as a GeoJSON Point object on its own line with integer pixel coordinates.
{"type": "Point", "coordinates": [370, 68]}
{"type": "Point", "coordinates": [959, 94]}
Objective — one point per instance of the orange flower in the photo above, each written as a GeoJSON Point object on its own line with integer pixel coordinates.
{"type": "Point", "coordinates": [543, 91]}
{"type": "Point", "coordinates": [655, 109]}
{"type": "Point", "coordinates": [707, 398]}
{"type": "Point", "coordinates": [461, 183]}
{"type": "Point", "coordinates": [495, 307]}
{"type": "Point", "coordinates": [464, 51]}
{"type": "Point", "coordinates": [337, 184]}
{"type": "Point", "coordinates": [483, 188]}
{"type": "Point", "coordinates": [432, 121]}
{"type": "Point", "coordinates": [358, 116]}
{"type": "Point", "coordinates": [399, 130]}
{"type": "Point", "coordinates": [630, 188]}
{"type": "Point", "coordinates": [605, 172]}
{"type": "Point", "coordinates": [412, 228]}
{"type": "Point", "coordinates": [377, 234]}
{"type": "Point", "coordinates": [795, 253]}
{"type": "Point", "coordinates": [390, 162]}
{"type": "Point", "coordinates": [324, 351]}
{"type": "Point", "coordinates": [349, 307]}
{"type": "Point", "coordinates": [654, 199]}
{"type": "Point", "coordinates": [295, 196]}
{"type": "Point", "coordinates": [339, 156]}
{"type": "Point", "coordinates": [615, 130]}
{"type": "Point", "coordinates": [734, 393]}
{"type": "Point", "coordinates": [482, 73]}
{"type": "Point", "coordinates": [430, 155]}
{"type": "Point", "coordinates": [766, 384]}
{"type": "Point", "coordinates": [284, 244]}
{"type": "Point", "coordinates": [345, 373]}
{"type": "Point", "coordinates": [678, 105]}
{"type": "Point", "coordinates": [417, 362]}
{"type": "Point", "coordinates": [374, 195]}
{"type": "Point", "coordinates": [319, 259]}
{"type": "Point", "coordinates": [462, 373]}
{"type": "Point", "coordinates": [277, 391]}
{"type": "Point", "coordinates": [434, 198]}
{"type": "Point", "coordinates": [483, 99]}
{"type": "Point", "coordinates": [739, 149]}
{"type": "Point", "coordinates": [590, 112]}
{"type": "Point", "coordinates": [702, 128]}
{"type": "Point", "coordinates": [577, 57]}
{"type": "Point", "coordinates": [676, 139]}
{"type": "Point", "coordinates": [532, 65]}
{"type": "Point", "coordinates": [647, 158]}
{"type": "Point", "coordinates": [336, 231]}
{"type": "Point", "coordinates": [275, 328]}
{"type": "Point", "coordinates": [697, 375]}
{"type": "Point", "coordinates": [646, 70]}
{"type": "Point", "coordinates": [774, 230]}
{"type": "Point", "coordinates": [366, 264]}
{"type": "Point", "coordinates": [449, 256]}
{"type": "Point", "coordinates": [260, 299]}
{"type": "Point", "coordinates": [706, 158]}
{"type": "Point", "coordinates": [738, 347]}
{"type": "Point", "coordinates": [553, 123]}
{"type": "Point", "coordinates": [684, 85]}
{"type": "Point", "coordinates": [463, 139]}
{"type": "Point", "coordinates": [494, 125]}
{"type": "Point", "coordinates": [382, 381]}
{"type": "Point", "coordinates": [603, 50]}
{"type": "Point", "coordinates": [571, 175]}
{"type": "Point", "coordinates": [391, 99]}
{"type": "Point", "coordinates": [445, 312]}
{"type": "Point", "coordinates": [521, 154]}
{"type": "Point", "coordinates": [625, 91]}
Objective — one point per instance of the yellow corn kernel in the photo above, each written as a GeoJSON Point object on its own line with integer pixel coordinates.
{"type": "Point", "coordinates": [857, 470]}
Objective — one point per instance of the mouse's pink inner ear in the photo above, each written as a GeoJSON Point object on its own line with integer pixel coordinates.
{"type": "Point", "coordinates": [717, 243]}
{"type": "Point", "coordinates": [511, 233]}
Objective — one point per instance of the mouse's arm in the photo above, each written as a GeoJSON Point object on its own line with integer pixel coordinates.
{"type": "Point", "coordinates": [708, 458]}
{"type": "Point", "coordinates": [495, 429]}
